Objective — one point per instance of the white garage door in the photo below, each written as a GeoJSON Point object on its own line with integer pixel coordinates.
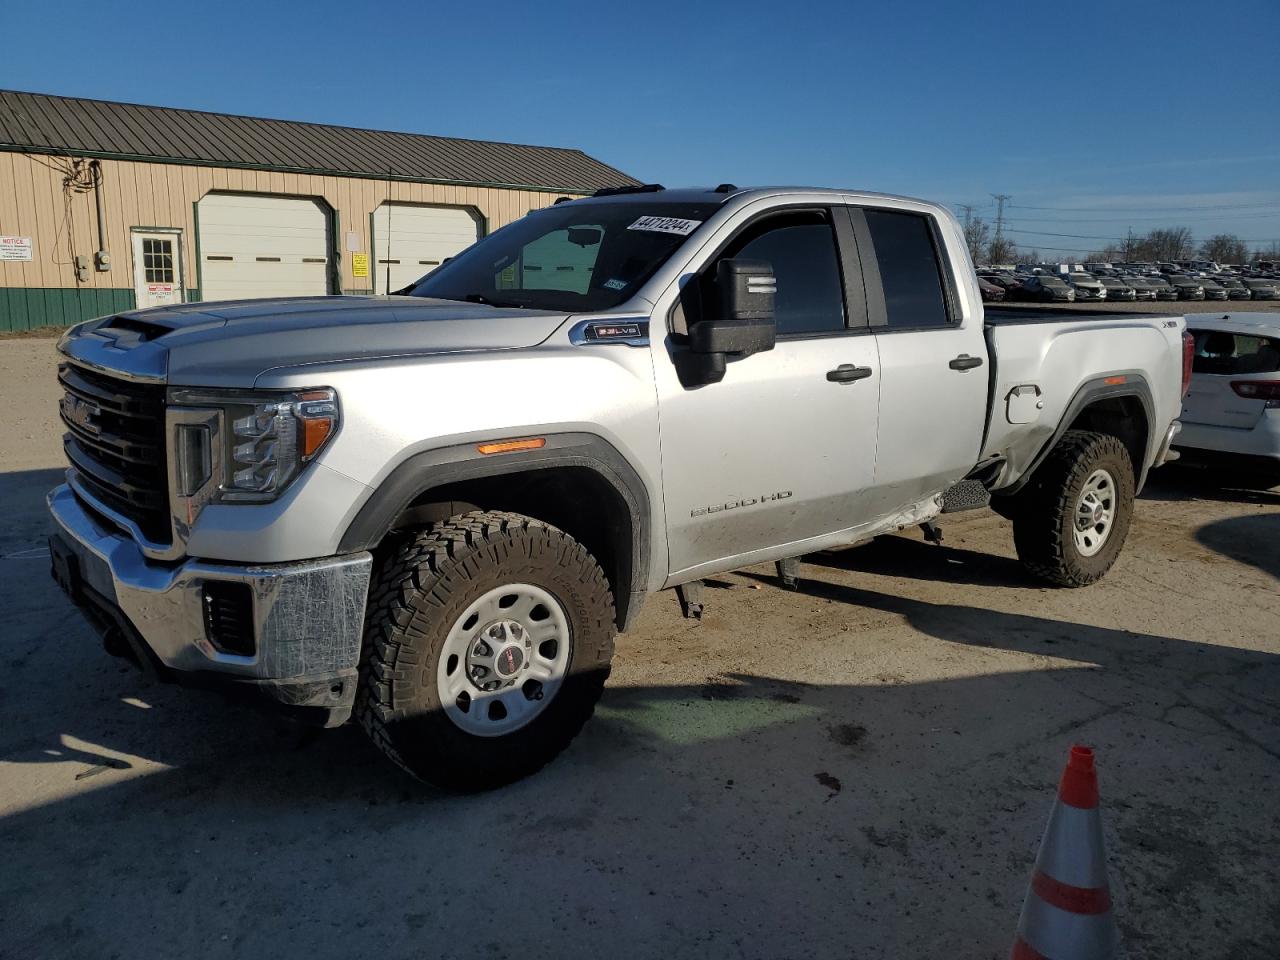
{"type": "Point", "coordinates": [254, 246]}
{"type": "Point", "coordinates": [421, 238]}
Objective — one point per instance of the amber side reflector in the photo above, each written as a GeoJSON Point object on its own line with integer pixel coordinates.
{"type": "Point", "coordinates": [1113, 381]}
{"type": "Point", "coordinates": [510, 446]}
{"type": "Point", "coordinates": [314, 433]}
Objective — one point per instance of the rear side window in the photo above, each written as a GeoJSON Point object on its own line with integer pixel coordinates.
{"type": "Point", "coordinates": [909, 269]}
{"type": "Point", "coordinates": [802, 249]}
{"type": "Point", "coordinates": [1233, 354]}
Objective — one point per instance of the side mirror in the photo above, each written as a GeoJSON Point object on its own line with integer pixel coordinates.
{"type": "Point", "coordinates": [744, 323]}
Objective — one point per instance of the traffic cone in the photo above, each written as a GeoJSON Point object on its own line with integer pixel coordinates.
{"type": "Point", "coordinates": [1067, 914]}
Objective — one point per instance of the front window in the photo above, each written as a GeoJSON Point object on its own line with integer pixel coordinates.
{"type": "Point", "coordinates": [801, 248]}
{"type": "Point", "coordinates": [571, 257]}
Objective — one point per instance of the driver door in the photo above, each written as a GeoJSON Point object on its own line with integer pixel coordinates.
{"type": "Point", "coordinates": [783, 449]}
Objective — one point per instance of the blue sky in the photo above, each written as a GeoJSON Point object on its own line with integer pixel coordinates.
{"type": "Point", "coordinates": [1094, 117]}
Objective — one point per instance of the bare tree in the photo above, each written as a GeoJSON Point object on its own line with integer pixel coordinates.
{"type": "Point", "coordinates": [1169, 243]}
{"type": "Point", "coordinates": [976, 236]}
{"type": "Point", "coordinates": [1224, 248]}
{"type": "Point", "coordinates": [1001, 250]}
{"type": "Point", "coordinates": [1271, 252]}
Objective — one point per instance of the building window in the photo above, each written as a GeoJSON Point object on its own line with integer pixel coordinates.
{"type": "Point", "coordinates": [157, 260]}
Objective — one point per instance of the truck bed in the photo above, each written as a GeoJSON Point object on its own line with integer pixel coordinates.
{"type": "Point", "coordinates": [1006, 314]}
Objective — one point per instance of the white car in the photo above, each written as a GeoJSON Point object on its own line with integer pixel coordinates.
{"type": "Point", "coordinates": [1233, 406]}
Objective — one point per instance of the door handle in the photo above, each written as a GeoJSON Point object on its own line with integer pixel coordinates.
{"type": "Point", "coordinates": [965, 362]}
{"type": "Point", "coordinates": [848, 373]}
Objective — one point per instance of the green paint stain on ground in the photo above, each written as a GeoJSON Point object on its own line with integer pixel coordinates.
{"type": "Point", "coordinates": [691, 721]}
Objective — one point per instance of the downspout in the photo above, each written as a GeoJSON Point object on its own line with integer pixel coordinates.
{"type": "Point", "coordinates": [101, 259]}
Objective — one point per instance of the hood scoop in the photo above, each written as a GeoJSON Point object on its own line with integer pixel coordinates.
{"type": "Point", "coordinates": [129, 331]}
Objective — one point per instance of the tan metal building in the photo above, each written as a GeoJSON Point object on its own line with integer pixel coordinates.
{"type": "Point", "coordinates": [107, 206]}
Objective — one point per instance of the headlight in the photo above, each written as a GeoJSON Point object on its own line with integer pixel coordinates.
{"type": "Point", "coordinates": [265, 438]}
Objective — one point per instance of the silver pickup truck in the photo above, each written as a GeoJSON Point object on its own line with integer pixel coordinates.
{"type": "Point", "coordinates": [434, 511]}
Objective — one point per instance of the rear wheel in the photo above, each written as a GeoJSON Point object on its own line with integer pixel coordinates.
{"type": "Point", "coordinates": [487, 644]}
{"type": "Point", "coordinates": [1071, 520]}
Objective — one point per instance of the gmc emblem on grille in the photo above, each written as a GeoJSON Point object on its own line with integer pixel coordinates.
{"type": "Point", "coordinates": [81, 413]}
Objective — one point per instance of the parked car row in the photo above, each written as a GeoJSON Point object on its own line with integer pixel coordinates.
{"type": "Point", "coordinates": [1180, 280]}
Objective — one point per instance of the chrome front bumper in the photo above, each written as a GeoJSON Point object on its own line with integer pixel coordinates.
{"type": "Point", "coordinates": [307, 617]}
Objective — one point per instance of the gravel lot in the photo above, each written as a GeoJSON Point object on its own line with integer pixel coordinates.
{"type": "Point", "coordinates": [861, 768]}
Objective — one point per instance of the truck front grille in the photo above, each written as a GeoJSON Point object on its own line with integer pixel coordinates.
{"type": "Point", "coordinates": [115, 442]}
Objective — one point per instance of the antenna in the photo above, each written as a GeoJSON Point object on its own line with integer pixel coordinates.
{"type": "Point", "coordinates": [387, 290]}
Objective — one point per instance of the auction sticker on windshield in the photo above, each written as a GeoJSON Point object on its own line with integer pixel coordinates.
{"type": "Point", "coordinates": [681, 228]}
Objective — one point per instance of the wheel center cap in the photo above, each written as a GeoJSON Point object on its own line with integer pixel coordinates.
{"type": "Point", "coordinates": [508, 661]}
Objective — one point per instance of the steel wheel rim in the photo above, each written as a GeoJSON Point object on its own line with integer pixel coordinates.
{"type": "Point", "coordinates": [1095, 513]}
{"type": "Point", "coordinates": [504, 660]}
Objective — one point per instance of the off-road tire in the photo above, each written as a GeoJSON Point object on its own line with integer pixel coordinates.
{"type": "Point", "coordinates": [1043, 511]}
{"type": "Point", "coordinates": [421, 587]}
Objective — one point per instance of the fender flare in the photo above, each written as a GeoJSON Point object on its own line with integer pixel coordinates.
{"type": "Point", "coordinates": [437, 467]}
{"type": "Point", "coordinates": [1089, 392]}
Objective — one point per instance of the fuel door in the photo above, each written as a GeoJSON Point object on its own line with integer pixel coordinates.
{"type": "Point", "coordinates": [1024, 403]}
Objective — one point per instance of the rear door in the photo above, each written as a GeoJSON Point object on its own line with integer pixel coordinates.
{"type": "Point", "coordinates": [933, 358]}
{"type": "Point", "coordinates": [1224, 366]}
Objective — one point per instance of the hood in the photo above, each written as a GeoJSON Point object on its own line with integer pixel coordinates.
{"type": "Point", "coordinates": [232, 342]}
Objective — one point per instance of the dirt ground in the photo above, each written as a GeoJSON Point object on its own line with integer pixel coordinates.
{"type": "Point", "coordinates": [862, 768]}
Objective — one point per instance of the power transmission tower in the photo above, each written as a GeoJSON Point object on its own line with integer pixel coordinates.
{"type": "Point", "coordinates": [1000, 198]}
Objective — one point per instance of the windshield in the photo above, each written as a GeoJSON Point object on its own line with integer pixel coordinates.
{"type": "Point", "coordinates": [571, 257]}
{"type": "Point", "coordinates": [1052, 282]}
{"type": "Point", "coordinates": [1083, 278]}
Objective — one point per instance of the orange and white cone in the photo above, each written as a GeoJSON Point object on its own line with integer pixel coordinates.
{"type": "Point", "coordinates": [1067, 914]}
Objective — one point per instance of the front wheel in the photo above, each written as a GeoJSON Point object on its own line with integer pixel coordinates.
{"type": "Point", "coordinates": [488, 641]}
{"type": "Point", "coordinates": [1071, 520]}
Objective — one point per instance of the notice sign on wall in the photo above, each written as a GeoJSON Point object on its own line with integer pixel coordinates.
{"type": "Point", "coordinates": [15, 248]}
{"type": "Point", "coordinates": [360, 265]}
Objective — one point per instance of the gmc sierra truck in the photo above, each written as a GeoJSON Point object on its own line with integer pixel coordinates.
{"type": "Point", "coordinates": [432, 512]}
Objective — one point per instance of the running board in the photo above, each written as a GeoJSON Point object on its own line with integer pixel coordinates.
{"type": "Point", "coordinates": [965, 495]}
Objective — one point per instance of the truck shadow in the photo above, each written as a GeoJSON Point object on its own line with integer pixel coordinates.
{"type": "Point", "coordinates": [25, 523]}
{"type": "Point", "coordinates": [1178, 483]}
{"type": "Point", "coordinates": [735, 813]}
{"type": "Point", "coordinates": [1253, 540]}
{"type": "Point", "coordinates": [907, 557]}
